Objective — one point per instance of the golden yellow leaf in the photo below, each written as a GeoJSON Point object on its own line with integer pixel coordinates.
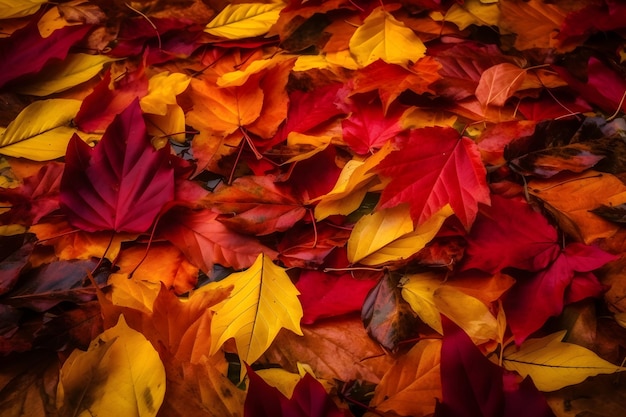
{"type": "Point", "coordinates": [553, 364]}
{"type": "Point", "coordinates": [473, 12]}
{"type": "Point", "coordinates": [60, 76]}
{"type": "Point", "coordinates": [19, 8]}
{"type": "Point", "coordinates": [416, 118]}
{"type": "Point", "coordinates": [12, 229]}
{"type": "Point", "coordinates": [239, 21]}
{"type": "Point", "coordinates": [355, 180]}
{"type": "Point", "coordinates": [169, 126]}
{"type": "Point", "coordinates": [570, 202]}
{"type": "Point", "coordinates": [388, 235]}
{"type": "Point", "coordinates": [120, 374]}
{"type": "Point", "coordinates": [498, 83]}
{"type": "Point", "coordinates": [469, 313]}
{"type": "Point", "coordinates": [133, 293]}
{"type": "Point", "coordinates": [162, 91]}
{"type": "Point", "coordinates": [281, 379]}
{"type": "Point", "coordinates": [263, 301]}
{"type": "Point", "coordinates": [412, 385]}
{"type": "Point", "coordinates": [418, 290]}
{"type": "Point", "coordinates": [239, 77]}
{"type": "Point", "coordinates": [382, 36]}
{"type": "Point", "coordinates": [41, 131]}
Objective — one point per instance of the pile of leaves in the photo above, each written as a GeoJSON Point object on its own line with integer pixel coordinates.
{"type": "Point", "coordinates": [312, 208]}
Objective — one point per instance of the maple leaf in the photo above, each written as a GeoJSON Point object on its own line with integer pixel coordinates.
{"type": "Point", "coordinates": [205, 241]}
{"type": "Point", "coordinates": [474, 386]}
{"type": "Point", "coordinates": [263, 301]}
{"type": "Point", "coordinates": [497, 242]}
{"type": "Point", "coordinates": [546, 289]}
{"type": "Point", "coordinates": [444, 169]}
{"type": "Point", "coordinates": [256, 205]}
{"type": "Point", "coordinates": [122, 184]}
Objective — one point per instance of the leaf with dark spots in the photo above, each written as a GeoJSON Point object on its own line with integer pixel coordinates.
{"type": "Point", "coordinates": [122, 184]}
{"type": "Point", "coordinates": [26, 52]}
{"type": "Point", "coordinates": [42, 288]}
{"type": "Point", "coordinates": [546, 134]}
{"type": "Point", "coordinates": [546, 163]}
{"type": "Point", "coordinates": [387, 317]}
{"type": "Point", "coordinates": [615, 214]}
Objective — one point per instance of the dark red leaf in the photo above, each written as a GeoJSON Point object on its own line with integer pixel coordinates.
{"type": "Point", "coordinates": [262, 399]}
{"type": "Point", "coordinates": [26, 52]}
{"type": "Point", "coordinates": [501, 238]}
{"type": "Point", "coordinates": [535, 299]}
{"type": "Point", "coordinates": [122, 184]}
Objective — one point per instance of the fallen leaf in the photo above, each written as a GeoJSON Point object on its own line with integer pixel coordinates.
{"type": "Point", "coordinates": [263, 301]}
{"type": "Point", "coordinates": [535, 23]}
{"type": "Point", "coordinates": [122, 184]}
{"type": "Point", "coordinates": [553, 364]}
{"type": "Point", "coordinates": [498, 83]}
{"type": "Point", "coordinates": [18, 8]}
{"type": "Point", "coordinates": [239, 21]}
{"type": "Point", "coordinates": [119, 373]}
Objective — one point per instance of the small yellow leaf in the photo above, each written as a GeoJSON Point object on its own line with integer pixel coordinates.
{"type": "Point", "coordinates": [418, 290]}
{"type": "Point", "coordinates": [388, 235]}
{"type": "Point", "coordinates": [263, 301]}
{"type": "Point", "coordinates": [281, 379]}
{"type": "Point", "coordinates": [133, 293]}
{"type": "Point", "coordinates": [168, 126]}
{"type": "Point", "coordinates": [355, 180]}
{"type": "Point", "coordinates": [416, 118]}
{"type": "Point", "coordinates": [60, 76]}
{"type": "Point", "coordinates": [162, 91]}
{"type": "Point", "coordinates": [19, 8]}
{"type": "Point", "coordinates": [382, 36]}
{"type": "Point", "coordinates": [473, 12]}
{"type": "Point", "coordinates": [45, 146]}
{"type": "Point", "coordinates": [246, 20]}
{"type": "Point", "coordinates": [12, 229]}
{"type": "Point", "coordinates": [553, 364]}
{"type": "Point", "coordinates": [239, 77]}
{"type": "Point", "coordinates": [469, 313]}
{"type": "Point", "coordinates": [120, 374]}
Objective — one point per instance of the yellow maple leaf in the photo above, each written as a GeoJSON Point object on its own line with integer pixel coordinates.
{"type": "Point", "coordinates": [263, 301]}
{"type": "Point", "coordinates": [120, 374]}
{"type": "Point", "coordinates": [246, 20]}
{"type": "Point", "coordinates": [388, 235]}
{"type": "Point", "coordinates": [553, 364]}
{"type": "Point", "coordinates": [382, 36]}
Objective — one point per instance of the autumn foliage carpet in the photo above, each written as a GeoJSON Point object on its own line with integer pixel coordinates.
{"type": "Point", "coordinates": [312, 208]}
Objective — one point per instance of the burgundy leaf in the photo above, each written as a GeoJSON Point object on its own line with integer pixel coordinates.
{"type": "Point", "coordinates": [122, 184]}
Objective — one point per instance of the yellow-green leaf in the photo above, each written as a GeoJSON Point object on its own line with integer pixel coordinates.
{"type": "Point", "coordinates": [19, 8]}
{"type": "Point", "coordinates": [246, 20]}
{"type": "Point", "coordinates": [388, 235]}
{"type": "Point", "coordinates": [120, 374]}
{"type": "Point", "coordinates": [382, 36]}
{"type": "Point", "coordinates": [263, 301]}
{"type": "Point", "coordinates": [62, 75]}
{"type": "Point", "coordinates": [553, 364]}
{"type": "Point", "coordinates": [41, 131]}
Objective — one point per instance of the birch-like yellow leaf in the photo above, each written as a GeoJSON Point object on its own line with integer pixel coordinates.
{"type": "Point", "coordinates": [382, 36]}
{"type": "Point", "coordinates": [419, 291]}
{"type": "Point", "coordinates": [388, 235]}
{"type": "Point", "coordinates": [19, 8]}
{"type": "Point", "coordinates": [553, 364]}
{"type": "Point", "coordinates": [263, 301]}
{"type": "Point", "coordinates": [63, 75]}
{"type": "Point", "coordinates": [355, 180]}
{"type": "Point", "coordinates": [41, 131]}
{"type": "Point", "coordinates": [246, 20]}
{"type": "Point", "coordinates": [120, 374]}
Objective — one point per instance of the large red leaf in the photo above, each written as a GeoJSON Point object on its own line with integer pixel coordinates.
{"type": "Point", "coordinates": [501, 238]}
{"type": "Point", "coordinates": [122, 184]}
{"type": "Point", "coordinates": [532, 301]}
{"type": "Point", "coordinates": [435, 167]}
{"type": "Point", "coordinates": [473, 386]}
{"type": "Point", "coordinates": [26, 52]}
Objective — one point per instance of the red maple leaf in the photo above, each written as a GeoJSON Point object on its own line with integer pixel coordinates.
{"type": "Point", "coordinates": [435, 167]}
{"type": "Point", "coordinates": [122, 184]}
{"type": "Point", "coordinates": [309, 399]}
{"type": "Point", "coordinates": [498, 240]}
{"type": "Point", "coordinates": [535, 299]}
{"type": "Point", "coordinates": [473, 386]}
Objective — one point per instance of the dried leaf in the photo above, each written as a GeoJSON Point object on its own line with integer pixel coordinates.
{"type": "Point", "coordinates": [239, 21]}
